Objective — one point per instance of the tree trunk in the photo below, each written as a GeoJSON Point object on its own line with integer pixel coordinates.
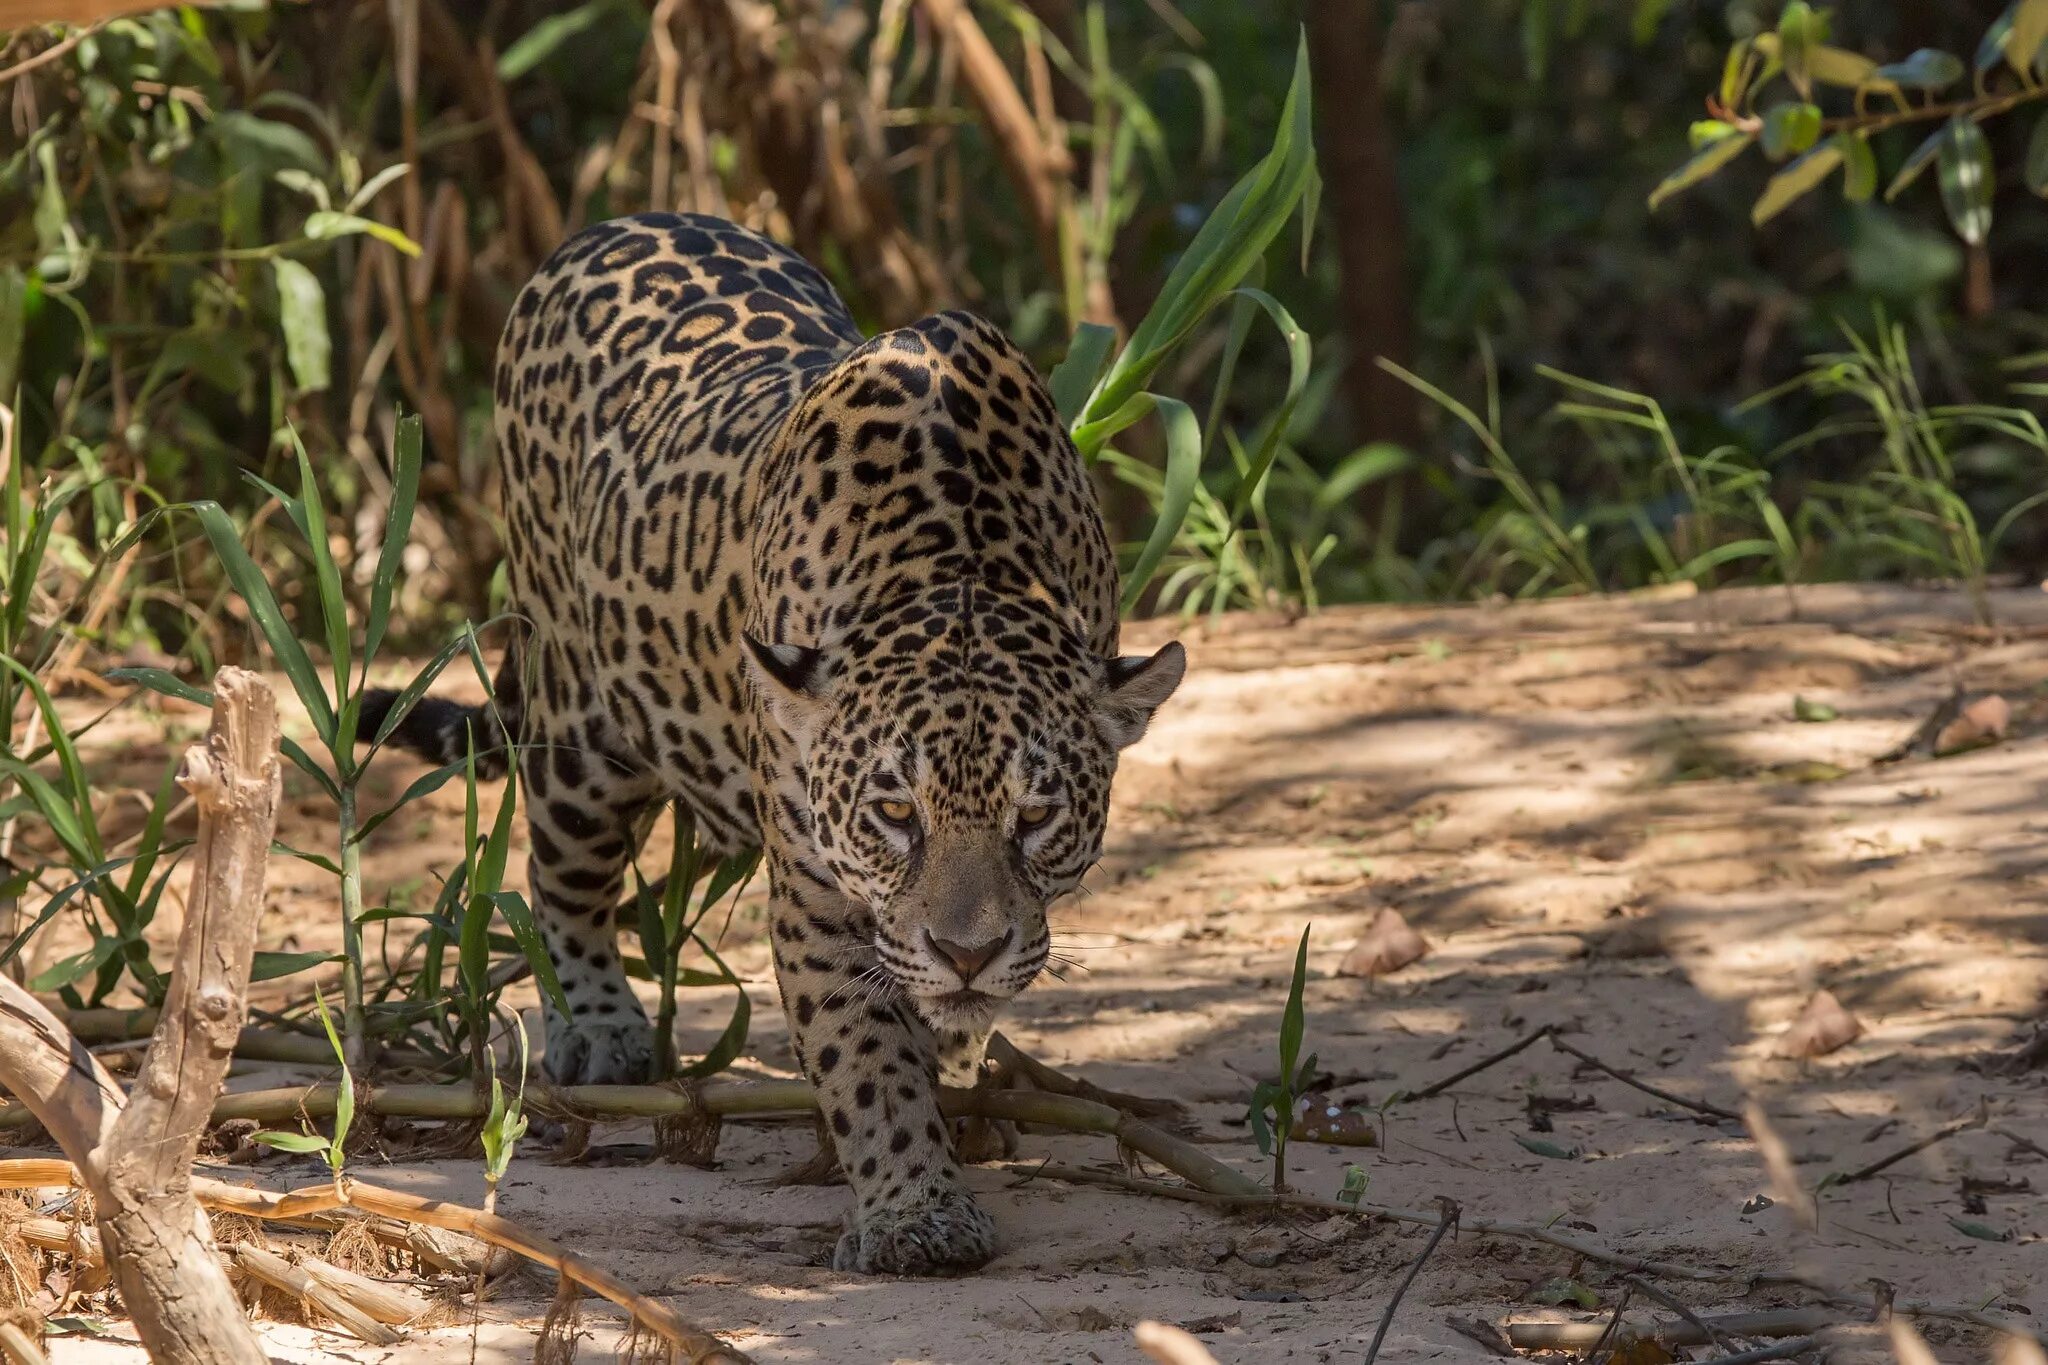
{"type": "Point", "coordinates": [1364, 201]}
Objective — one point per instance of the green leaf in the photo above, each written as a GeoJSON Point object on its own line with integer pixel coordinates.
{"type": "Point", "coordinates": [311, 514]}
{"type": "Point", "coordinates": [1800, 30]}
{"type": "Point", "coordinates": [302, 1143]}
{"type": "Point", "coordinates": [730, 1042]}
{"type": "Point", "coordinates": [1536, 26]}
{"type": "Point", "coordinates": [13, 328]}
{"type": "Point", "coordinates": [1991, 48]}
{"type": "Point", "coordinates": [1074, 376]}
{"type": "Point", "coordinates": [1365, 465]}
{"type": "Point", "coordinates": [345, 1089]}
{"type": "Point", "coordinates": [1859, 167]}
{"type": "Point", "coordinates": [519, 919]}
{"type": "Point", "coordinates": [253, 140]}
{"type": "Point", "coordinates": [1795, 180]}
{"type": "Point", "coordinates": [2029, 33]}
{"type": "Point", "coordinates": [2037, 157]}
{"type": "Point", "coordinates": [328, 224]}
{"type": "Point", "coordinates": [162, 681]}
{"type": "Point", "coordinates": [270, 966]}
{"type": "Point", "coordinates": [540, 42]}
{"type": "Point", "coordinates": [1839, 66]}
{"type": "Point", "coordinates": [1813, 712]}
{"type": "Point", "coordinates": [1921, 158]}
{"type": "Point", "coordinates": [1183, 472]}
{"type": "Point", "coordinates": [407, 456]}
{"type": "Point", "coordinates": [1292, 1021]}
{"type": "Point", "coordinates": [1927, 69]}
{"type": "Point", "coordinates": [302, 310]}
{"type": "Point", "coordinates": [1967, 180]}
{"type": "Point", "coordinates": [64, 971]}
{"type": "Point", "coordinates": [1790, 129]}
{"type": "Point", "coordinates": [1982, 1232]}
{"type": "Point", "coordinates": [1736, 74]}
{"type": "Point", "coordinates": [1356, 1178]}
{"type": "Point", "coordinates": [1547, 1149]}
{"type": "Point", "coordinates": [1298, 366]}
{"type": "Point", "coordinates": [255, 593]}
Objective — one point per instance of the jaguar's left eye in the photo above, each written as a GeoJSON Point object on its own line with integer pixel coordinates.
{"type": "Point", "coordinates": [896, 812]}
{"type": "Point", "coordinates": [1030, 817]}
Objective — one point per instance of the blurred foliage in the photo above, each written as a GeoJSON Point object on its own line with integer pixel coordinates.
{"type": "Point", "coordinates": [221, 227]}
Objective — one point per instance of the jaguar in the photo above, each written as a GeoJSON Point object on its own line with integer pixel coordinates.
{"type": "Point", "coordinates": [850, 601]}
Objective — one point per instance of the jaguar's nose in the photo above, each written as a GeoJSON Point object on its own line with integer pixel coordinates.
{"type": "Point", "coordinates": [968, 960]}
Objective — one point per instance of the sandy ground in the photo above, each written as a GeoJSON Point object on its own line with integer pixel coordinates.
{"type": "Point", "coordinates": [1594, 813]}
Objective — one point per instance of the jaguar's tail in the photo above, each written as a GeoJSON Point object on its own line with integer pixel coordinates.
{"type": "Point", "coordinates": [442, 731]}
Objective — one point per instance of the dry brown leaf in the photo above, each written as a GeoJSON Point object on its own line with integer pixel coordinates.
{"type": "Point", "coordinates": [1169, 1345]}
{"type": "Point", "coordinates": [1983, 721]}
{"type": "Point", "coordinates": [1317, 1118]}
{"type": "Point", "coordinates": [1821, 1027]}
{"type": "Point", "coordinates": [1387, 946]}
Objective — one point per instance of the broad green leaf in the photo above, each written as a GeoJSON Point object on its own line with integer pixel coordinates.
{"type": "Point", "coordinates": [1183, 471]}
{"type": "Point", "coordinates": [327, 224]}
{"type": "Point", "coordinates": [1790, 129]}
{"type": "Point", "coordinates": [302, 311]}
{"type": "Point", "coordinates": [250, 139]}
{"type": "Point", "coordinates": [1292, 1020]}
{"type": "Point", "coordinates": [1859, 167]}
{"type": "Point", "coordinates": [2029, 33]}
{"type": "Point", "coordinates": [1704, 131]}
{"type": "Point", "coordinates": [1700, 165]}
{"type": "Point", "coordinates": [1967, 180]}
{"type": "Point", "coordinates": [1927, 69]}
{"type": "Point", "coordinates": [311, 514]}
{"type": "Point", "coordinates": [1074, 376]}
{"type": "Point", "coordinates": [270, 966]}
{"type": "Point", "coordinates": [1839, 66]}
{"type": "Point", "coordinates": [1796, 40]}
{"type": "Point", "coordinates": [1991, 48]}
{"type": "Point", "coordinates": [1921, 158]}
{"type": "Point", "coordinates": [301, 1143]}
{"type": "Point", "coordinates": [2037, 157]}
{"type": "Point", "coordinates": [66, 970]}
{"type": "Point", "coordinates": [1795, 180]}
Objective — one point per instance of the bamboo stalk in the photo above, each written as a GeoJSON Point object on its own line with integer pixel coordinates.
{"type": "Point", "coordinates": [280, 1274]}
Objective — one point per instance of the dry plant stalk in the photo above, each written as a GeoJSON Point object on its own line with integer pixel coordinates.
{"type": "Point", "coordinates": [135, 1155]}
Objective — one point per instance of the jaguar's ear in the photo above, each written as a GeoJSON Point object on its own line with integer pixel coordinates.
{"type": "Point", "coordinates": [794, 681]}
{"type": "Point", "coordinates": [1134, 687]}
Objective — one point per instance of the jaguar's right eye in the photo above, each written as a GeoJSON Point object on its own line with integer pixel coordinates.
{"type": "Point", "coordinates": [900, 813]}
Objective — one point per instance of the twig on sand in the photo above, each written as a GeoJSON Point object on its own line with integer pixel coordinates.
{"type": "Point", "coordinates": [1939, 1135]}
{"type": "Point", "coordinates": [1447, 1220]}
{"type": "Point", "coordinates": [1489, 1060]}
{"type": "Point", "coordinates": [1629, 1078]}
{"type": "Point", "coordinates": [1781, 1350]}
{"type": "Point", "coordinates": [1651, 1291]}
{"type": "Point", "coordinates": [1592, 1251]}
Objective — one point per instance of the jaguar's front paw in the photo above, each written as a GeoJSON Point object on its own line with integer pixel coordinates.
{"type": "Point", "coordinates": [585, 1052]}
{"type": "Point", "coordinates": [945, 1237]}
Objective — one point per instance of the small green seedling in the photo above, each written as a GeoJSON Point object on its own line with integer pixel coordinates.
{"type": "Point", "coordinates": [344, 1106]}
{"type": "Point", "coordinates": [506, 1125]}
{"type": "Point", "coordinates": [1272, 1109]}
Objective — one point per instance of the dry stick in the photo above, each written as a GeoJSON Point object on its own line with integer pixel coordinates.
{"type": "Point", "coordinates": [136, 1163]}
{"type": "Point", "coordinates": [1782, 1350]}
{"type": "Point", "coordinates": [1448, 1220]}
{"type": "Point", "coordinates": [699, 1346]}
{"type": "Point", "coordinates": [280, 1274]}
{"type": "Point", "coordinates": [1491, 1059]}
{"type": "Point", "coordinates": [1942, 1134]}
{"type": "Point", "coordinates": [1651, 1291]}
{"type": "Point", "coordinates": [144, 1200]}
{"type": "Point", "coordinates": [1591, 1251]}
{"type": "Point", "coordinates": [1628, 1078]}
{"type": "Point", "coordinates": [1577, 1336]}
{"type": "Point", "coordinates": [19, 1348]}
{"type": "Point", "coordinates": [2025, 1144]}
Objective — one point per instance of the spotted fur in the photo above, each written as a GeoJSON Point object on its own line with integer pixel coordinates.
{"type": "Point", "coordinates": [850, 601]}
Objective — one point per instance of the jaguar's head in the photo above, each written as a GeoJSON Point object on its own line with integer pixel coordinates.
{"type": "Point", "coordinates": [958, 747]}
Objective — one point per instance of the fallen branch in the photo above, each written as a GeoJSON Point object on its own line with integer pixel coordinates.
{"type": "Point", "coordinates": [295, 1281]}
{"type": "Point", "coordinates": [714, 1100]}
{"type": "Point", "coordinates": [1491, 1059]}
{"type": "Point", "coordinates": [1940, 1135]}
{"type": "Point", "coordinates": [1448, 1220]}
{"type": "Point", "coordinates": [1629, 1078]}
{"type": "Point", "coordinates": [1577, 1336]}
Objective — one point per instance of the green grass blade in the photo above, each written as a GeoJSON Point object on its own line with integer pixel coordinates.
{"type": "Point", "coordinates": [255, 593]}
{"type": "Point", "coordinates": [1074, 376]}
{"type": "Point", "coordinates": [1183, 470]}
{"type": "Point", "coordinates": [405, 489]}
